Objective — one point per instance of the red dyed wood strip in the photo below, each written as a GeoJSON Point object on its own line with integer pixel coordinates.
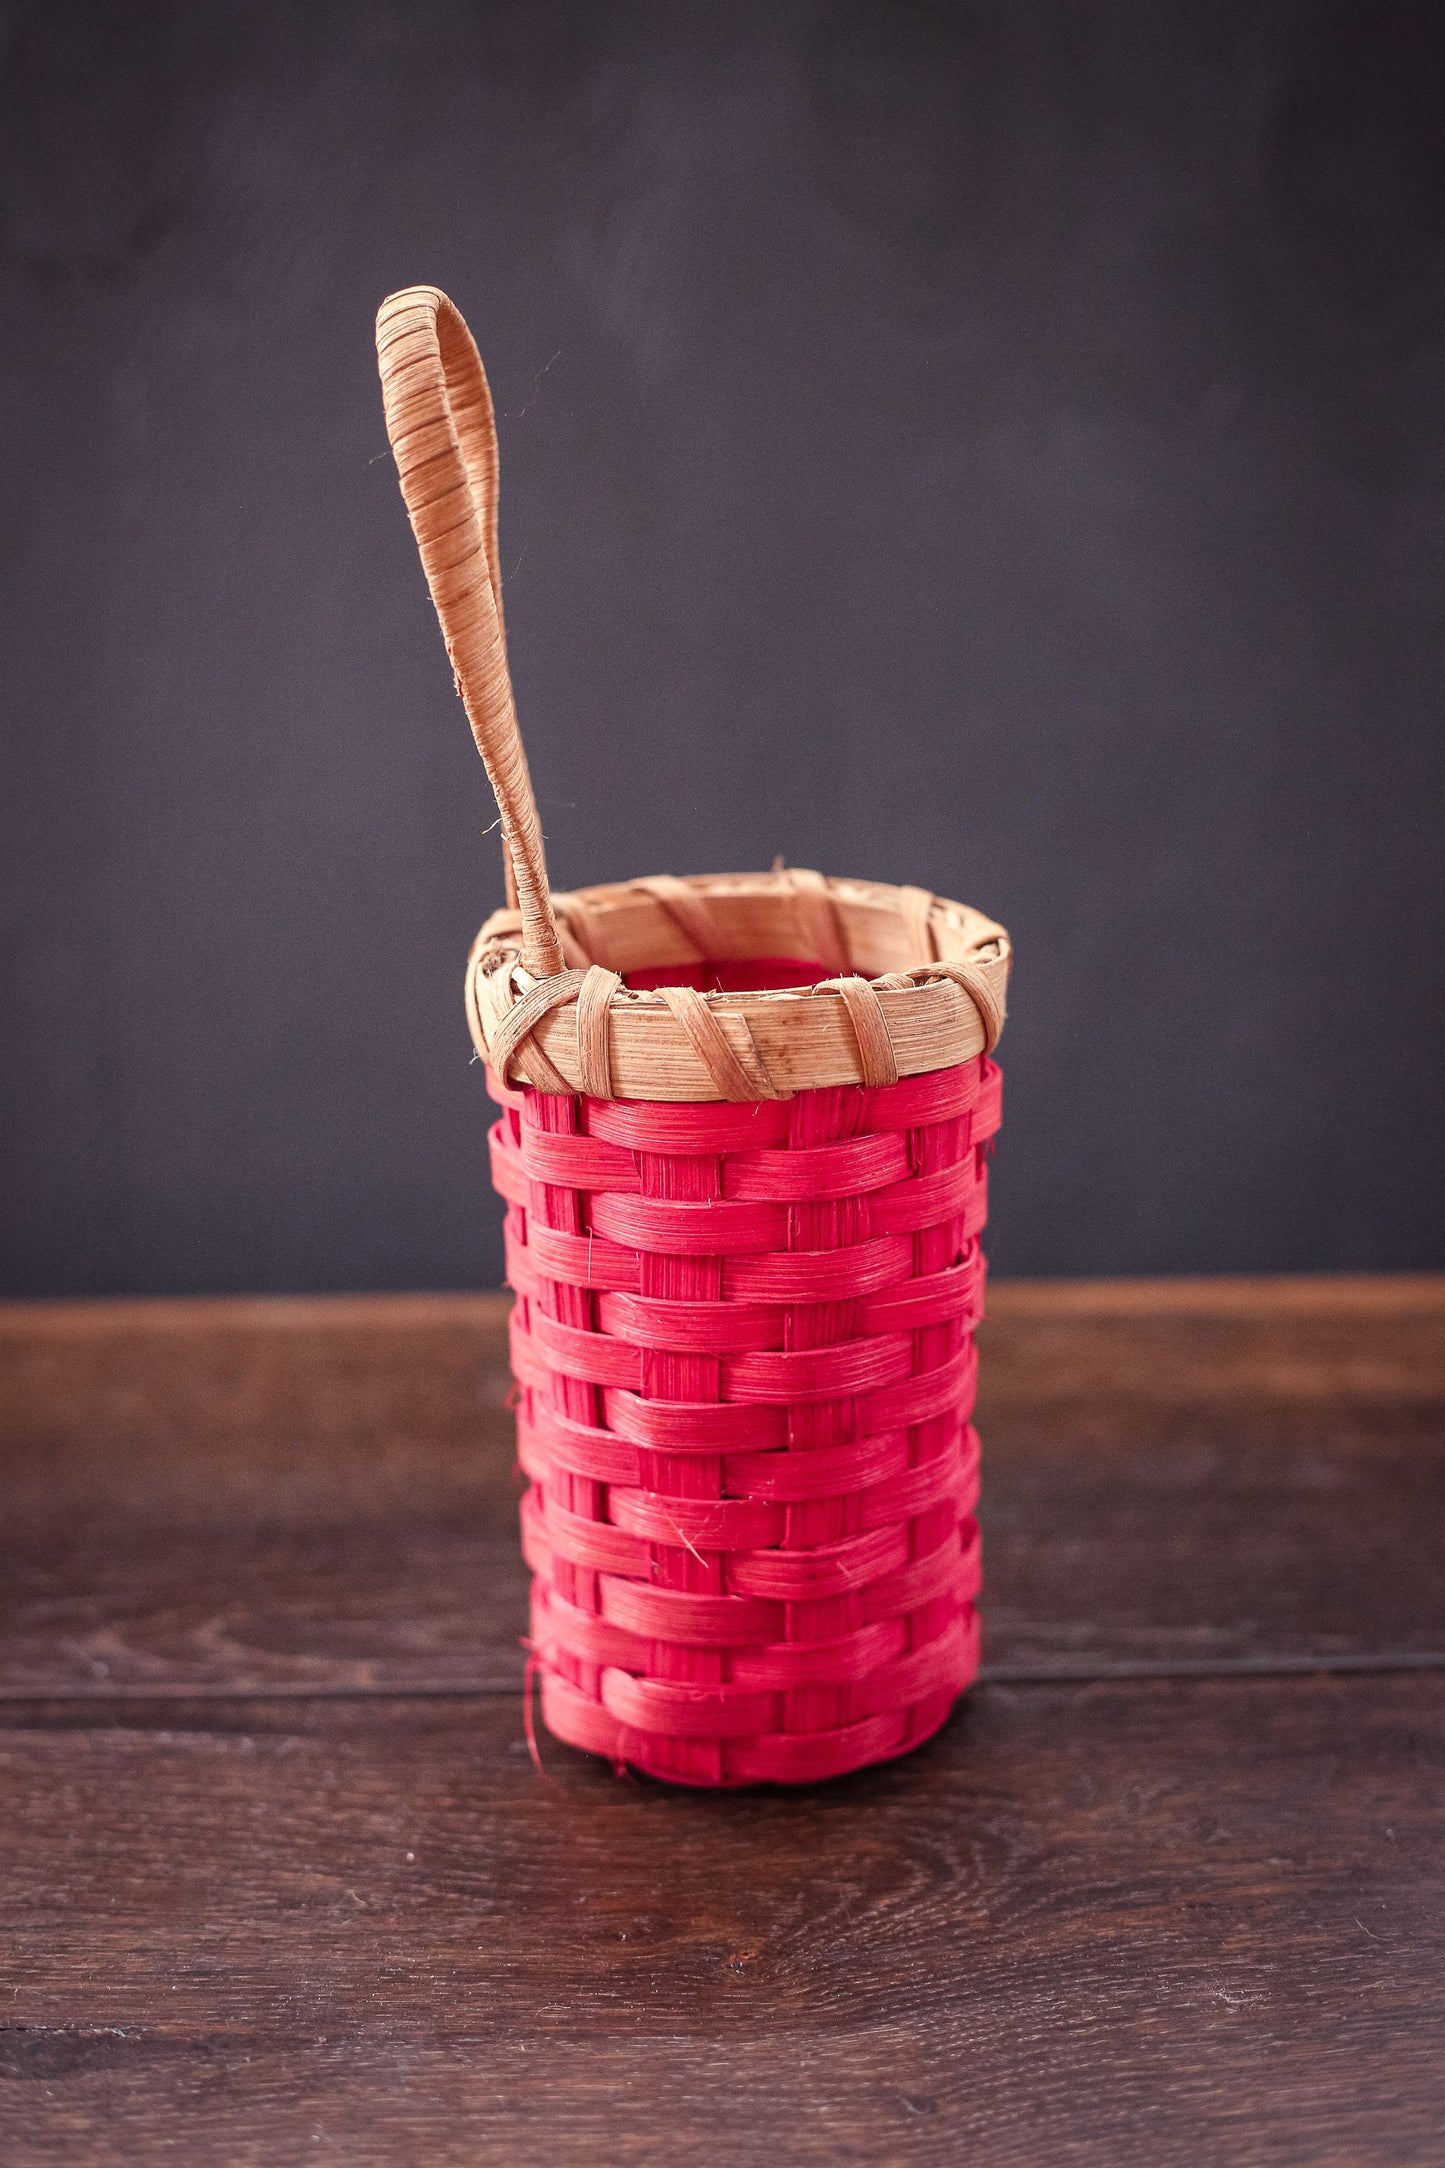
{"type": "Point", "coordinates": [691, 1328]}
{"type": "Point", "coordinates": [791, 1665]}
{"type": "Point", "coordinates": [579, 1719]}
{"type": "Point", "coordinates": [939, 1095]}
{"type": "Point", "coordinates": [817, 1373]}
{"type": "Point", "coordinates": [579, 1447]}
{"type": "Point", "coordinates": [685, 1711]}
{"type": "Point", "coordinates": [819, 1471]}
{"type": "Point", "coordinates": [951, 1570]}
{"type": "Point", "coordinates": [591, 1260]}
{"type": "Point", "coordinates": [587, 1260]}
{"type": "Point", "coordinates": [688, 1230]}
{"type": "Point", "coordinates": [709, 1622]}
{"type": "Point", "coordinates": [988, 1114]}
{"type": "Point", "coordinates": [510, 1178]}
{"type": "Point", "coordinates": [535, 1260]}
{"type": "Point", "coordinates": [646, 1126]}
{"type": "Point", "coordinates": [932, 1298]}
{"type": "Point", "coordinates": [809, 1757]}
{"type": "Point", "coordinates": [709, 1524]}
{"type": "Point", "coordinates": [549, 1531]}
{"type": "Point", "coordinates": [839, 1275]}
{"type": "Point", "coordinates": [583, 1635]}
{"type": "Point", "coordinates": [591, 1357]}
{"type": "Point", "coordinates": [577, 1162]}
{"type": "Point", "coordinates": [680, 1426]}
{"type": "Point", "coordinates": [945, 1391]}
{"type": "Point", "coordinates": [929, 1199]}
{"type": "Point", "coordinates": [831, 1569]}
{"type": "Point", "coordinates": [846, 1169]}
{"type": "Point", "coordinates": [951, 1478]}
{"type": "Point", "coordinates": [946, 1664]}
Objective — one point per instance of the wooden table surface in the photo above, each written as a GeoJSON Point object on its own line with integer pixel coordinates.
{"type": "Point", "coordinates": [281, 1883]}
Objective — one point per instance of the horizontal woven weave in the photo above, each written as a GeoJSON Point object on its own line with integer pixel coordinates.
{"type": "Point", "coordinates": [743, 1349]}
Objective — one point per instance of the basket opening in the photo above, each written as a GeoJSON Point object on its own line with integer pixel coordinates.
{"type": "Point", "coordinates": [751, 975]}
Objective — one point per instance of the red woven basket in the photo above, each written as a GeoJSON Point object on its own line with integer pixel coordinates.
{"type": "Point", "coordinates": [743, 1136]}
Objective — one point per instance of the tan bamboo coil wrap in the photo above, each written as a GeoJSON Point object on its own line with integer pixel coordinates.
{"type": "Point", "coordinates": [922, 985]}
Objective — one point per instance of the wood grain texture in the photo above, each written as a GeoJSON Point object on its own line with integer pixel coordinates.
{"type": "Point", "coordinates": [320, 1496]}
{"type": "Point", "coordinates": [1157, 1923]}
{"type": "Point", "coordinates": [282, 1885]}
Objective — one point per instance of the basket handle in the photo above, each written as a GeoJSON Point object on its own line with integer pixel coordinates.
{"type": "Point", "coordinates": [440, 422]}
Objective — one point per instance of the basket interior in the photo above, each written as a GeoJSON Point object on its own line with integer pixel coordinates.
{"type": "Point", "coordinates": [730, 975]}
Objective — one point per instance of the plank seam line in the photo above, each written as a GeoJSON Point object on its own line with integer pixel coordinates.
{"type": "Point", "coordinates": [1246, 1667]}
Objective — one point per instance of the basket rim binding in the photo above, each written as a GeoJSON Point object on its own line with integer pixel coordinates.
{"type": "Point", "coordinates": [915, 982]}
{"type": "Point", "coordinates": [846, 1029]}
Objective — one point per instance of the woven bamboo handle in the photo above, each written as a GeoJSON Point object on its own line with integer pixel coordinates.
{"type": "Point", "coordinates": [439, 418]}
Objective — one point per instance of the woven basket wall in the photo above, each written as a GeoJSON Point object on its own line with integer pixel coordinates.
{"type": "Point", "coordinates": [754, 1476]}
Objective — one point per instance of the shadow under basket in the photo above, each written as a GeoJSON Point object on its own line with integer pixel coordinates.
{"type": "Point", "coordinates": [743, 1141]}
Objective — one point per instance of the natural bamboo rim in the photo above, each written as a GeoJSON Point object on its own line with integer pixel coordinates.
{"type": "Point", "coordinates": [920, 984]}
{"type": "Point", "coordinates": [914, 982]}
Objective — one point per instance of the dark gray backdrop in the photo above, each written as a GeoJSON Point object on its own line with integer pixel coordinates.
{"type": "Point", "coordinates": [993, 446]}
